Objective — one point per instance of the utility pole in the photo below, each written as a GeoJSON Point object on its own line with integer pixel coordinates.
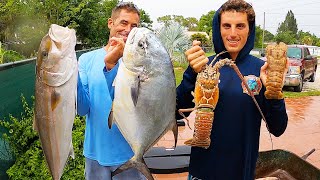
{"type": "Point", "coordinates": [264, 23]}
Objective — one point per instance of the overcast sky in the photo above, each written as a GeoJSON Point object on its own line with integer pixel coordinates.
{"type": "Point", "coordinates": [306, 12]}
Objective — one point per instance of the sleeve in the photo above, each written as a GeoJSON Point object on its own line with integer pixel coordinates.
{"type": "Point", "coordinates": [276, 116]}
{"type": "Point", "coordinates": [83, 99]}
{"type": "Point", "coordinates": [184, 96]}
{"type": "Point", "coordinates": [110, 75]}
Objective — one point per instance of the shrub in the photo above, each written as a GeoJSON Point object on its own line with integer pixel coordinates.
{"type": "Point", "coordinates": [12, 56]}
{"type": "Point", "coordinates": [25, 145]}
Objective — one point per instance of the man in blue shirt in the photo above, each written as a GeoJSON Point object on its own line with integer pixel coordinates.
{"type": "Point", "coordinates": [105, 149]}
{"type": "Point", "coordinates": [234, 147]}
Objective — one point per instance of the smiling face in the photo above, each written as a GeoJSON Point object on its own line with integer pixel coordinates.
{"type": "Point", "coordinates": [234, 28]}
{"type": "Point", "coordinates": [121, 25]}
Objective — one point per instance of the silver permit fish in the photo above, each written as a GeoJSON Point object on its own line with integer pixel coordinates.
{"type": "Point", "coordinates": [145, 96]}
{"type": "Point", "coordinates": [55, 96]}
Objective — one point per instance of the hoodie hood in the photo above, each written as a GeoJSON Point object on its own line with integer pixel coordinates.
{"type": "Point", "coordinates": [218, 43]}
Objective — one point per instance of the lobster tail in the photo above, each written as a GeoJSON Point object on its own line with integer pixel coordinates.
{"type": "Point", "coordinates": [202, 129]}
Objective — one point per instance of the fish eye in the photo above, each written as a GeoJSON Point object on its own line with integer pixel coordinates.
{"type": "Point", "coordinates": [141, 44]}
{"type": "Point", "coordinates": [44, 53]}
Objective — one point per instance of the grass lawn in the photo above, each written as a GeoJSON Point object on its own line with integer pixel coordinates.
{"type": "Point", "coordinates": [289, 94]}
{"type": "Point", "coordinates": [179, 73]}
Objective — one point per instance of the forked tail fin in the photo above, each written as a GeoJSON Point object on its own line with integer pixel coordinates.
{"type": "Point", "coordinates": [141, 166]}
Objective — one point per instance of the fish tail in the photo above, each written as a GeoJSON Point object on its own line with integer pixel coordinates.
{"type": "Point", "coordinates": [193, 142]}
{"type": "Point", "coordinates": [141, 166]}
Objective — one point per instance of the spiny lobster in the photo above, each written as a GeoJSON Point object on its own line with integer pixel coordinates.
{"type": "Point", "coordinates": [206, 95]}
{"type": "Point", "coordinates": [277, 61]}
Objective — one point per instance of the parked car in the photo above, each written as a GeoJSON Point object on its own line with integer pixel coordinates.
{"type": "Point", "coordinates": [302, 67]}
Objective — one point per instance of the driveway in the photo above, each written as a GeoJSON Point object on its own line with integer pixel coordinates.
{"type": "Point", "coordinates": [303, 130]}
{"type": "Point", "coordinates": [313, 85]}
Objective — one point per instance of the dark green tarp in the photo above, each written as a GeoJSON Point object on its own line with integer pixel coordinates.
{"type": "Point", "coordinates": [15, 79]}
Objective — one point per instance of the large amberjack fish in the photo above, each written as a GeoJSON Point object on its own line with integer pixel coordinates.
{"type": "Point", "coordinates": [145, 96]}
{"type": "Point", "coordinates": [55, 96]}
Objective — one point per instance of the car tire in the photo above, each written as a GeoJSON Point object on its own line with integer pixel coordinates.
{"type": "Point", "coordinates": [313, 77]}
{"type": "Point", "coordinates": [300, 86]}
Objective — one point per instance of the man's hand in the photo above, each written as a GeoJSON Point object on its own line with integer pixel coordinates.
{"type": "Point", "coordinates": [114, 50]}
{"type": "Point", "coordinates": [264, 73]}
{"type": "Point", "coordinates": [196, 57]}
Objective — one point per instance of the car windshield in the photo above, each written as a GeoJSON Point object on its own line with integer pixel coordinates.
{"type": "Point", "coordinates": [294, 52]}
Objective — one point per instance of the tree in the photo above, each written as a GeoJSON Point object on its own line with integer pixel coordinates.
{"type": "Point", "coordinates": [307, 40]}
{"type": "Point", "coordinates": [174, 38]}
{"type": "Point", "coordinates": [145, 19]}
{"type": "Point", "coordinates": [9, 9]}
{"type": "Point", "coordinates": [189, 23]}
{"type": "Point", "coordinates": [24, 23]}
{"type": "Point", "coordinates": [258, 39]}
{"type": "Point", "coordinates": [202, 38]}
{"type": "Point", "coordinates": [289, 24]}
{"type": "Point", "coordinates": [205, 22]}
{"type": "Point", "coordinates": [268, 36]}
{"type": "Point", "coordinates": [287, 37]}
{"type": "Point", "coordinates": [25, 27]}
{"type": "Point", "coordinates": [166, 20]}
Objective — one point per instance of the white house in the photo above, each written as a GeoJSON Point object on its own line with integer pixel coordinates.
{"type": "Point", "coordinates": [314, 50]}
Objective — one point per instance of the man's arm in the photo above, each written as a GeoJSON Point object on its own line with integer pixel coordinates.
{"type": "Point", "coordinates": [197, 59]}
{"type": "Point", "coordinates": [83, 99]}
{"type": "Point", "coordinates": [275, 110]}
{"type": "Point", "coordinates": [276, 116]}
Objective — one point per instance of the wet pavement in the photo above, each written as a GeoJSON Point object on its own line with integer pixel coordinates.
{"type": "Point", "coordinates": [301, 136]}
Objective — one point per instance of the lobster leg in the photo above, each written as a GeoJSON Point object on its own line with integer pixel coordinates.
{"type": "Point", "coordinates": [181, 111]}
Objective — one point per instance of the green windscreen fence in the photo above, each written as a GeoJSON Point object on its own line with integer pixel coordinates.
{"type": "Point", "coordinates": [16, 79]}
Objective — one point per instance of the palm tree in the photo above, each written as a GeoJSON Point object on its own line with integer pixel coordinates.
{"type": "Point", "coordinates": [176, 41]}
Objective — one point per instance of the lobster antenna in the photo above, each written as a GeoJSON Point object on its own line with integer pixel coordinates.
{"type": "Point", "coordinates": [214, 59]}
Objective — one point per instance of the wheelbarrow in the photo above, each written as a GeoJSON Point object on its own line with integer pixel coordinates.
{"type": "Point", "coordinates": [275, 163]}
{"type": "Point", "coordinates": [286, 165]}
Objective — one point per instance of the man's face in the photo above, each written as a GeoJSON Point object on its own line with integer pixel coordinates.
{"type": "Point", "coordinates": [122, 25]}
{"type": "Point", "coordinates": [234, 28]}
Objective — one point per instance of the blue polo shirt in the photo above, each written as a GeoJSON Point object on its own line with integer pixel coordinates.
{"type": "Point", "coordinates": [95, 95]}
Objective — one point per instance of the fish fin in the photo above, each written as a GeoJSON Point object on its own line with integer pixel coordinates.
{"type": "Point", "coordinates": [76, 102]}
{"type": "Point", "coordinates": [55, 99]}
{"type": "Point", "coordinates": [135, 90]}
{"type": "Point", "coordinates": [110, 119]}
{"type": "Point", "coordinates": [71, 153]}
{"type": "Point", "coordinates": [34, 124]}
{"type": "Point", "coordinates": [175, 133]}
{"type": "Point", "coordinates": [141, 166]}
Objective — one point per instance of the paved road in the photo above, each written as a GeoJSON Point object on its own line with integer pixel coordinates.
{"type": "Point", "coordinates": [313, 85]}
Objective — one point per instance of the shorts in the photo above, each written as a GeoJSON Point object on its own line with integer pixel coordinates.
{"type": "Point", "coordinates": [95, 171]}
